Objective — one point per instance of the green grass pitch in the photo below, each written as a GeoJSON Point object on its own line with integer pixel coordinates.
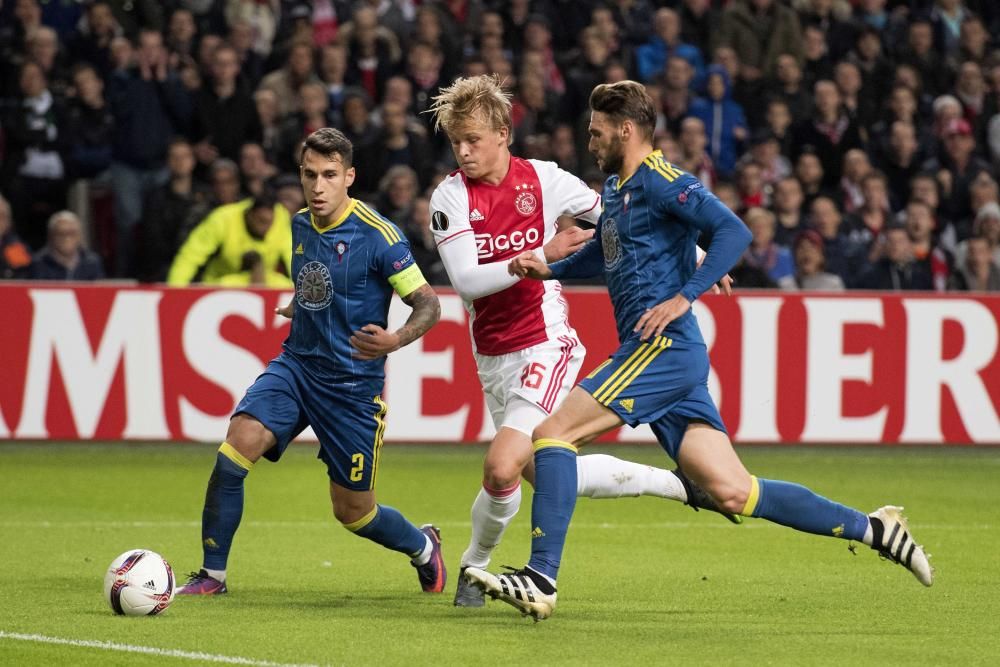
{"type": "Point", "coordinates": [644, 581]}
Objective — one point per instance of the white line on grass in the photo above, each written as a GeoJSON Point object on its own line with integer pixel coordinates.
{"type": "Point", "coordinates": [147, 650]}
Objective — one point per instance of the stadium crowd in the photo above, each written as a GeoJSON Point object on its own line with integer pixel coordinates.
{"type": "Point", "coordinates": [859, 141]}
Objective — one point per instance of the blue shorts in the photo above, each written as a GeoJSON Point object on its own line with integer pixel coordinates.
{"type": "Point", "coordinates": [662, 382]}
{"type": "Point", "coordinates": [348, 418]}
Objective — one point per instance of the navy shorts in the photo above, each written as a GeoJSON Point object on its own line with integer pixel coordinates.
{"type": "Point", "coordinates": [348, 418]}
{"type": "Point", "coordinates": [662, 382]}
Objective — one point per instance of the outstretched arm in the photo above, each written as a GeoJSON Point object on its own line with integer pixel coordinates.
{"type": "Point", "coordinates": [372, 341]}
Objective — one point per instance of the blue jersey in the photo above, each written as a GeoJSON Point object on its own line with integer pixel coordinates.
{"type": "Point", "coordinates": [344, 276]}
{"type": "Point", "coordinates": [645, 243]}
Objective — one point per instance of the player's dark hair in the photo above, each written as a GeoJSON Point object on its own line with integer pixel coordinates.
{"type": "Point", "coordinates": [328, 142]}
{"type": "Point", "coordinates": [626, 100]}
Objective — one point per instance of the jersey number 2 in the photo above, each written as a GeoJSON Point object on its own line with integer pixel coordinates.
{"type": "Point", "coordinates": [532, 375]}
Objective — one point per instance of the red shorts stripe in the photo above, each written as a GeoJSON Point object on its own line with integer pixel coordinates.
{"type": "Point", "coordinates": [558, 374]}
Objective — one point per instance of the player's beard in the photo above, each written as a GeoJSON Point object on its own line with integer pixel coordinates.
{"type": "Point", "coordinates": [614, 156]}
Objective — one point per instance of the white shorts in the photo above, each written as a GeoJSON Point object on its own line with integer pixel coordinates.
{"type": "Point", "coordinates": [524, 387]}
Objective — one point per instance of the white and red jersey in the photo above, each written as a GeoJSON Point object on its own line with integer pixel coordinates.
{"type": "Point", "coordinates": [480, 227]}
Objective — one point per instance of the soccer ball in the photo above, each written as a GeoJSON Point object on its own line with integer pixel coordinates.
{"type": "Point", "coordinates": [139, 583]}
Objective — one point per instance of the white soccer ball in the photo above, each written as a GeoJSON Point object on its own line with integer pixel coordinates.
{"type": "Point", "coordinates": [139, 583]}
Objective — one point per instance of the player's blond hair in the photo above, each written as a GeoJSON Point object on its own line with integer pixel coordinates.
{"type": "Point", "coordinates": [481, 96]}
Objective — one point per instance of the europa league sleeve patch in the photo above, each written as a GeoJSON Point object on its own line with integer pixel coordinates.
{"type": "Point", "coordinates": [439, 221]}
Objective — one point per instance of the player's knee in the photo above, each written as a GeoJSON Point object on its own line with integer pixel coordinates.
{"type": "Point", "coordinates": [500, 475]}
{"type": "Point", "coordinates": [349, 511]}
{"type": "Point", "coordinates": [731, 498]}
{"type": "Point", "coordinates": [549, 428]}
{"type": "Point", "coordinates": [249, 437]}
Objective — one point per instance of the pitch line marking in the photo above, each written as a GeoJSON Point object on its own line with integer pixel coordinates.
{"type": "Point", "coordinates": [147, 650]}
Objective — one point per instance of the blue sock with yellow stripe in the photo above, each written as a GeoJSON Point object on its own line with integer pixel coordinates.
{"type": "Point", "coordinates": [387, 526]}
{"type": "Point", "coordinates": [553, 503]}
{"type": "Point", "coordinates": [223, 506]}
{"type": "Point", "coordinates": [797, 507]}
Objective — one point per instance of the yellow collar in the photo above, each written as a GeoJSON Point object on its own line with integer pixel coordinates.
{"type": "Point", "coordinates": [338, 221]}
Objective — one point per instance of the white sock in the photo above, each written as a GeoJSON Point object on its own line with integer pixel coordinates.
{"type": "Point", "coordinates": [603, 476]}
{"type": "Point", "coordinates": [425, 555]}
{"type": "Point", "coordinates": [490, 517]}
{"type": "Point", "coordinates": [218, 575]}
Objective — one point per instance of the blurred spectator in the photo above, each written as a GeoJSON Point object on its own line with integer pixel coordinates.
{"type": "Point", "coordinates": [181, 37]}
{"type": "Point", "coordinates": [830, 16]}
{"type": "Point", "coordinates": [764, 254]}
{"type": "Point", "coordinates": [225, 116]}
{"type": "Point", "coordinates": [266, 104]}
{"type": "Point", "coordinates": [787, 205]}
{"type": "Point", "coordinates": [92, 40]}
{"type": "Point", "coordinates": [225, 182]}
{"type": "Point", "coordinates": [288, 190]}
{"type": "Point", "coordinates": [751, 186]}
{"type": "Point", "coordinates": [65, 255]}
{"type": "Point", "coordinates": [586, 72]}
{"type": "Point", "coordinates": [809, 171]}
{"type": "Point", "coordinates": [15, 256]}
{"type": "Point", "coordinates": [255, 168]}
{"type": "Point", "coordinates": [399, 145]}
{"type": "Point", "coordinates": [262, 16]}
{"type": "Point", "coordinates": [860, 108]}
{"type": "Point", "coordinates": [810, 263]}
{"type": "Point", "coordinates": [873, 216]}
{"type": "Point", "coordinates": [150, 107]}
{"type": "Point", "coordinates": [765, 152]}
{"type": "Point", "coordinates": [870, 59]}
{"type": "Point", "coordinates": [919, 52]}
{"type": "Point", "coordinates": [974, 40]}
{"type": "Point", "coordinates": [285, 82]}
{"type": "Point", "coordinates": [397, 190]}
{"type": "Point", "coordinates": [90, 125]}
{"type": "Point", "coordinates": [333, 72]}
{"type": "Point", "coordinates": [241, 38]}
{"type": "Point", "coordinates": [374, 51]}
{"type": "Point", "coordinates": [979, 272]}
{"type": "Point", "coordinates": [788, 87]}
{"type": "Point", "coordinates": [829, 134]}
{"type": "Point", "coordinates": [778, 120]}
{"type": "Point", "coordinates": [137, 15]}
{"type": "Point", "coordinates": [417, 228]}
{"type": "Point", "coordinates": [920, 227]}
{"type": "Point", "coordinates": [651, 57]}
{"type": "Point", "coordinates": [359, 128]}
{"type": "Point", "coordinates": [844, 256]}
{"type": "Point", "coordinates": [817, 65]}
{"type": "Point", "coordinates": [424, 63]}
{"type": "Point", "coordinates": [970, 89]}
{"type": "Point", "coordinates": [532, 112]}
{"type": "Point", "coordinates": [34, 172]}
{"type": "Point", "coordinates": [902, 160]}
{"type": "Point", "coordinates": [856, 167]}
{"type": "Point", "coordinates": [728, 194]}
{"type": "Point", "coordinates": [694, 159]}
{"type": "Point", "coordinates": [986, 226]}
{"type": "Point", "coordinates": [564, 150]}
{"type": "Point", "coordinates": [956, 167]}
{"type": "Point", "coordinates": [218, 246]}
{"type": "Point", "coordinates": [698, 20]}
{"type": "Point", "coordinates": [676, 95]}
{"type": "Point", "coordinates": [170, 212]}
{"type": "Point", "coordinates": [760, 31]}
{"type": "Point", "coordinates": [42, 46]}
{"type": "Point", "coordinates": [725, 124]}
{"type": "Point", "coordinates": [314, 106]}
{"type": "Point", "coordinates": [897, 269]}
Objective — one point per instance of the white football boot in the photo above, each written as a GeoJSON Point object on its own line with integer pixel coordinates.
{"type": "Point", "coordinates": [892, 539]}
{"type": "Point", "coordinates": [517, 589]}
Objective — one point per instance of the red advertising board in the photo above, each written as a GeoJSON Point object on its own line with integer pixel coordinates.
{"type": "Point", "coordinates": [148, 363]}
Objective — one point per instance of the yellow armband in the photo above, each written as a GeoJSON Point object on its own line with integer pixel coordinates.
{"type": "Point", "coordinates": [407, 280]}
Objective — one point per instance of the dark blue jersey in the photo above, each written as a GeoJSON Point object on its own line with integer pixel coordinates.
{"type": "Point", "coordinates": [645, 242]}
{"type": "Point", "coordinates": [344, 276]}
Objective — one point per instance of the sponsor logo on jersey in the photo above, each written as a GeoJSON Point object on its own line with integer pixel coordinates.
{"type": "Point", "coordinates": [476, 216]}
{"type": "Point", "coordinates": [439, 221]}
{"type": "Point", "coordinates": [683, 196]}
{"type": "Point", "coordinates": [525, 202]}
{"type": "Point", "coordinates": [611, 244]}
{"type": "Point", "coordinates": [487, 244]}
{"type": "Point", "coordinates": [313, 286]}
{"type": "Point", "coordinates": [341, 249]}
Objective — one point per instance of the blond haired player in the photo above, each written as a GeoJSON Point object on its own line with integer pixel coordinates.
{"type": "Point", "coordinates": [489, 211]}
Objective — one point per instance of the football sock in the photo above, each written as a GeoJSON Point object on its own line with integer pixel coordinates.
{"type": "Point", "coordinates": [553, 503]}
{"type": "Point", "coordinates": [492, 512]}
{"type": "Point", "coordinates": [603, 476]}
{"type": "Point", "coordinates": [218, 575]}
{"type": "Point", "coordinates": [223, 507]}
{"type": "Point", "coordinates": [797, 507]}
{"type": "Point", "coordinates": [386, 526]}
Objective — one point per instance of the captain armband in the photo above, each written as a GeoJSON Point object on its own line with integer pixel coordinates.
{"type": "Point", "coordinates": [407, 281]}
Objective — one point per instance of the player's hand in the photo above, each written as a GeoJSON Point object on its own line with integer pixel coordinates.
{"type": "Point", "coordinates": [287, 310]}
{"type": "Point", "coordinates": [372, 342]}
{"type": "Point", "coordinates": [724, 286]}
{"type": "Point", "coordinates": [528, 265]}
{"type": "Point", "coordinates": [656, 319]}
{"type": "Point", "coordinates": [566, 242]}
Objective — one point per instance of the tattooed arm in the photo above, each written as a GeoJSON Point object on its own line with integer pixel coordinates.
{"type": "Point", "coordinates": [372, 341]}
